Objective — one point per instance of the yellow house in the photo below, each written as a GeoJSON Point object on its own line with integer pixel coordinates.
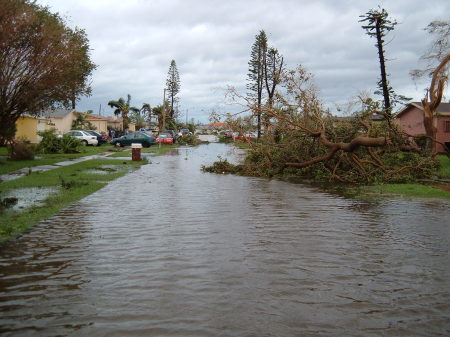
{"type": "Point", "coordinates": [101, 123]}
{"type": "Point", "coordinates": [116, 124]}
{"type": "Point", "coordinates": [27, 128]}
{"type": "Point", "coordinates": [61, 119]}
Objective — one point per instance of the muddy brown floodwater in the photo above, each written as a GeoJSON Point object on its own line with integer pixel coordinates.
{"type": "Point", "coordinates": [171, 251]}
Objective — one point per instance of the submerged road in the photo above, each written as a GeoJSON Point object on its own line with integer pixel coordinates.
{"type": "Point", "coordinates": [171, 251]}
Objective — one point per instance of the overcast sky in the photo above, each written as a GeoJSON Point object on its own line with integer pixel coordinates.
{"type": "Point", "coordinates": [133, 42]}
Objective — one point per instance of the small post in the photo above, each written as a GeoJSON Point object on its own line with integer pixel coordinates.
{"type": "Point", "coordinates": [136, 151]}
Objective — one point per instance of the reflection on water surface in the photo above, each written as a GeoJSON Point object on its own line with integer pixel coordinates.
{"type": "Point", "coordinates": [171, 251]}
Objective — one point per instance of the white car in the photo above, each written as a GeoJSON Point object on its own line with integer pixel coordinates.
{"type": "Point", "coordinates": [84, 136]}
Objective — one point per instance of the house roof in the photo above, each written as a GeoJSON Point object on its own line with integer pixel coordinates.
{"type": "Point", "coordinates": [443, 108]}
{"type": "Point", "coordinates": [96, 117]}
{"type": "Point", "coordinates": [25, 115]}
{"type": "Point", "coordinates": [56, 113]}
{"type": "Point", "coordinates": [114, 119]}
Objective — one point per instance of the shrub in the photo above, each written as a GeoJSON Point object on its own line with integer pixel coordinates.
{"type": "Point", "coordinates": [70, 144]}
{"type": "Point", "coordinates": [222, 166]}
{"type": "Point", "coordinates": [20, 150]}
{"type": "Point", "coordinates": [50, 142]}
{"type": "Point", "coordinates": [189, 140]}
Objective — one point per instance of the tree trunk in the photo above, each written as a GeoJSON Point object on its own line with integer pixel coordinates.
{"type": "Point", "coordinates": [435, 94]}
{"type": "Point", "coordinates": [384, 82]}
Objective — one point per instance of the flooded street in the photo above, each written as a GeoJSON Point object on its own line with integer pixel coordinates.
{"type": "Point", "coordinates": [171, 251]}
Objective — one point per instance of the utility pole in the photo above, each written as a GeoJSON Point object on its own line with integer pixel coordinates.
{"type": "Point", "coordinates": [164, 111]}
{"type": "Point", "coordinates": [187, 112]}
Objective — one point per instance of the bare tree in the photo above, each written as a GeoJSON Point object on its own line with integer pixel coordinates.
{"type": "Point", "coordinates": [437, 51]}
{"type": "Point", "coordinates": [432, 100]}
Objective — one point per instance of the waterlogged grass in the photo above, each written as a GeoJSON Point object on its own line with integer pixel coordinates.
{"type": "Point", "coordinates": [71, 183]}
{"type": "Point", "coordinates": [7, 166]}
{"type": "Point", "coordinates": [406, 190]}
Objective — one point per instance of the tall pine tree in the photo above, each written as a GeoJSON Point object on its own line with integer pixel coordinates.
{"type": "Point", "coordinates": [378, 25]}
{"type": "Point", "coordinates": [256, 73]}
{"type": "Point", "coordinates": [173, 86]}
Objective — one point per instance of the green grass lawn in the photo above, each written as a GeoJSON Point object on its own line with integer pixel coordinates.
{"type": "Point", "coordinates": [70, 183]}
{"type": "Point", "coordinates": [413, 190]}
{"type": "Point", "coordinates": [7, 166]}
{"type": "Point", "coordinates": [445, 166]}
{"type": "Point", "coordinates": [407, 190]}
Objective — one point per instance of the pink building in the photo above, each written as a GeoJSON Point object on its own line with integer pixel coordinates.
{"type": "Point", "coordinates": [410, 119]}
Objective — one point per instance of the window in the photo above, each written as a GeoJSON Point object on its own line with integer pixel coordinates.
{"type": "Point", "coordinates": [447, 126]}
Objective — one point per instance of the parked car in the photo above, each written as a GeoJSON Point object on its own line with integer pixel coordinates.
{"type": "Point", "coordinates": [84, 136]}
{"type": "Point", "coordinates": [102, 139]}
{"type": "Point", "coordinates": [184, 132]}
{"type": "Point", "coordinates": [228, 134]}
{"type": "Point", "coordinates": [134, 137]}
{"type": "Point", "coordinates": [251, 135]}
{"type": "Point", "coordinates": [173, 134]}
{"type": "Point", "coordinates": [164, 138]}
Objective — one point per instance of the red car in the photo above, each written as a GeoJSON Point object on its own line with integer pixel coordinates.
{"type": "Point", "coordinates": [164, 138]}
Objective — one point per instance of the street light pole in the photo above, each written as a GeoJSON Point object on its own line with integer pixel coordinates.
{"type": "Point", "coordinates": [164, 111]}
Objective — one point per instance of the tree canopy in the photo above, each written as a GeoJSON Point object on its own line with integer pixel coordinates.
{"type": "Point", "coordinates": [256, 67]}
{"type": "Point", "coordinates": [378, 24]}
{"type": "Point", "coordinates": [123, 108]}
{"type": "Point", "coordinates": [43, 62]}
{"type": "Point", "coordinates": [173, 85]}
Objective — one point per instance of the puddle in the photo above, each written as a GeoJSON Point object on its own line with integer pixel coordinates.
{"type": "Point", "coordinates": [104, 169]}
{"type": "Point", "coordinates": [208, 138]}
{"type": "Point", "coordinates": [174, 152]}
{"type": "Point", "coordinates": [26, 197]}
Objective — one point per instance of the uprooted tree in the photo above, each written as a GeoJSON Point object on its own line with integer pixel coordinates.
{"type": "Point", "coordinates": [306, 140]}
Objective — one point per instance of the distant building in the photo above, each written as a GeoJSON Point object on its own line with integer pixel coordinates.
{"type": "Point", "coordinates": [61, 119]}
{"type": "Point", "coordinates": [410, 119]}
{"type": "Point", "coordinates": [100, 122]}
{"type": "Point", "coordinates": [116, 123]}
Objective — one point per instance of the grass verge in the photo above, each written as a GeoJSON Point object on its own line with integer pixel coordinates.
{"type": "Point", "coordinates": [431, 190]}
{"type": "Point", "coordinates": [444, 171]}
{"type": "Point", "coordinates": [406, 190]}
{"type": "Point", "coordinates": [71, 183]}
{"type": "Point", "coordinates": [7, 166]}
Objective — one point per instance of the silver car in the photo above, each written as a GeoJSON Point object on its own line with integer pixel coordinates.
{"type": "Point", "coordinates": [84, 136]}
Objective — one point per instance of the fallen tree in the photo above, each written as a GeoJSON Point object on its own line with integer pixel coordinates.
{"type": "Point", "coordinates": [305, 140]}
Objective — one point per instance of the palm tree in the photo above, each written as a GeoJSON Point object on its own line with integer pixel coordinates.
{"type": "Point", "coordinates": [146, 110]}
{"type": "Point", "coordinates": [123, 108]}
